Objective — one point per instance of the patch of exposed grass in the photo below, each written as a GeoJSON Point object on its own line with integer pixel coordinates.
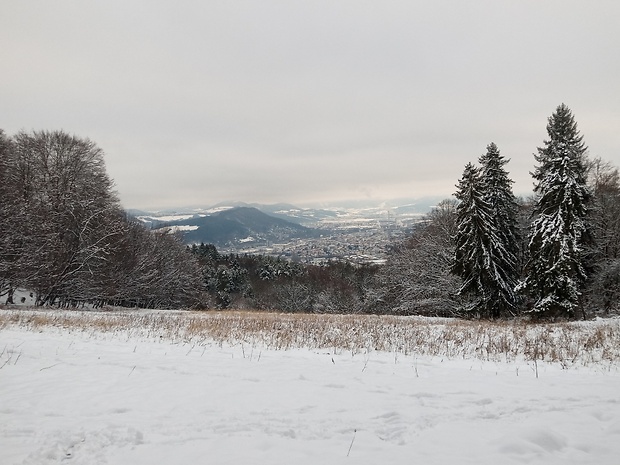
{"type": "Point", "coordinates": [581, 343]}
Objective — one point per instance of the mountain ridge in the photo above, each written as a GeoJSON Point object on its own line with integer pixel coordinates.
{"type": "Point", "coordinates": [238, 225]}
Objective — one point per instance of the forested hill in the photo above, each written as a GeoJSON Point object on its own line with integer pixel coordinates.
{"type": "Point", "coordinates": [240, 224]}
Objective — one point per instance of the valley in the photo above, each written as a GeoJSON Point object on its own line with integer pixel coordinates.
{"type": "Point", "coordinates": [360, 234]}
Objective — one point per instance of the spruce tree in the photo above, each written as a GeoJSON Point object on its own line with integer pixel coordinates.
{"type": "Point", "coordinates": [472, 241]}
{"type": "Point", "coordinates": [486, 238]}
{"type": "Point", "coordinates": [503, 251]}
{"type": "Point", "coordinates": [555, 271]}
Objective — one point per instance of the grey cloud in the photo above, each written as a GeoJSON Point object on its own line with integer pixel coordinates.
{"type": "Point", "coordinates": [197, 102]}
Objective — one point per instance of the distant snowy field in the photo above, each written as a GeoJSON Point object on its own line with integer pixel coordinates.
{"type": "Point", "coordinates": [108, 396]}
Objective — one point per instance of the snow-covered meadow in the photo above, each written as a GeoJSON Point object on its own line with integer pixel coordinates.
{"type": "Point", "coordinates": [155, 387]}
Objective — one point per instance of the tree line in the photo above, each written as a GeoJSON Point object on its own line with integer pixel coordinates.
{"type": "Point", "coordinates": [65, 237]}
{"type": "Point", "coordinates": [485, 253]}
{"type": "Point", "coordinates": [489, 254]}
{"type": "Point", "coordinates": [265, 282]}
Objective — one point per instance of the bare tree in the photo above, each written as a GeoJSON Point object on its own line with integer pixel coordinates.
{"type": "Point", "coordinates": [416, 278]}
{"type": "Point", "coordinates": [66, 203]}
{"type": "Point", "coordinates": [603, 290]}
{"type": "Point", "coordinates": [64, 235]}
{"type": "Point", "coordinates": [604, 181]}
{"type": "Point", "coordinates": [8, 216]}
{"type": "Point", "coordinates": [150, 269]}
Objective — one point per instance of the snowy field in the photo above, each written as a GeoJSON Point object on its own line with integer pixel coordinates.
{"type": "Point", "coordinates": [100, 394]}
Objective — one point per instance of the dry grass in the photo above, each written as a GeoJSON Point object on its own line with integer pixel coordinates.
{"type": "Point", "coordinates": [565, 343]}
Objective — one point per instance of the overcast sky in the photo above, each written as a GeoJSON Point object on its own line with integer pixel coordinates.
{"type": "Point", "coordinates": [197, 102]}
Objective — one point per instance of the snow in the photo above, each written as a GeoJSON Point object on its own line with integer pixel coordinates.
{"type": "Point", "coordinates": [166, 217]}
{"type": "Point", "coordinates": [184, 228]}
{"type": "Point", "coordinates": [93, 397]}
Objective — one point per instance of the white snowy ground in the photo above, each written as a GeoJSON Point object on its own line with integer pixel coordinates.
{"type": "Point", "coordinates": [99, 398]}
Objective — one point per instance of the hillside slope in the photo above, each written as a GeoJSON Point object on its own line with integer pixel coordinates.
{"type": "Point", "coordinates": [240, 224]}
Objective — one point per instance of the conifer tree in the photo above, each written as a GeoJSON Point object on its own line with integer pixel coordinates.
{"type": "Point", "coordinates": [503, 252]}
{"type": "Point", "coordinates": [473, 240]}
{"type": "Point", "coordinates": [555, 271]}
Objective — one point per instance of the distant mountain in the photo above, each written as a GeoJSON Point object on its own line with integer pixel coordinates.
{"type": "Point", "coordinates": [309, 217]}
{"type": "Point", "coordinates": [238, 225]}
{"type": "Point", "coordinates": [312, 217]}
{"type": "Point", "coordinates": [304, 216]}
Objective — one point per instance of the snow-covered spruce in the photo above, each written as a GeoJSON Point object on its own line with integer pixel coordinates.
{"type": "Point", "coordinates": [555, 270]}
{"type": "Point", "coordinates": [486, 237]}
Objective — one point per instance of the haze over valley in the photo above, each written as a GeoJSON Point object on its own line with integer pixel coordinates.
{"type": "Point", "coordinates": [364, 232]}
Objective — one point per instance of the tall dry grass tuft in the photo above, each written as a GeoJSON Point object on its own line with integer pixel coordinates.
{"type": "Point", "coordinates": [565, 343]}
